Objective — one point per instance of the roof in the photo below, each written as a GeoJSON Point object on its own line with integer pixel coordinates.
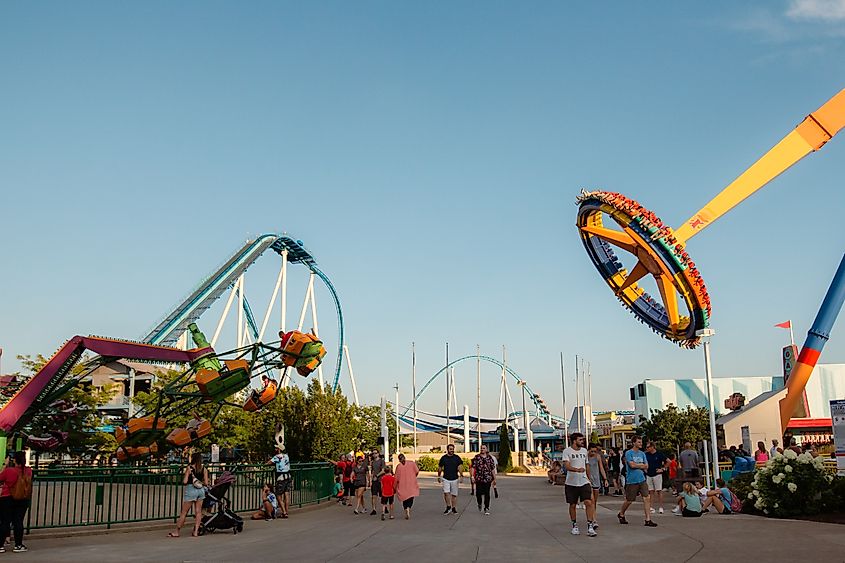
{"type": "Point", "coordinates": [761, 398]}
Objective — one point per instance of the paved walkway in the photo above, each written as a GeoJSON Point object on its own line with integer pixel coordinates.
{"type": "Point", "coordinates": [528, 522]}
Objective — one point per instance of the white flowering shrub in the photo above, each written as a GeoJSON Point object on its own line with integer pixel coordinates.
{"type": "Point", "coordinates": [790, 485]}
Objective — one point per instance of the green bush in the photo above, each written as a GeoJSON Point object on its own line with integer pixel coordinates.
{"type": "Point", "coordinates": [426, 463]}
{"type": "Point", "coordinates": [741, 486]}
{"type": "Point", "coordinates": [790, 485]}
{"type": "Point", "coordinates": [518, 469]}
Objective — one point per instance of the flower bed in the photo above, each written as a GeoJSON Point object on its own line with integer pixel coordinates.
{"type": "Point", "coordinates": [791, 485]}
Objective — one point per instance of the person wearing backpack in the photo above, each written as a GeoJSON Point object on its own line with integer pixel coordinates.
{"type": "Point", "coordinates": [723, 499]}
{"type": "Point", "coordinates": [16, 478]}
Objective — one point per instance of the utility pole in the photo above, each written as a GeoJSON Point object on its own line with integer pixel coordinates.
{"type": "Point", "coordinates": [414, 387]}
{"type": "Point", "coordinates": [448, 397]}
{"type": "Point", "coordinates": [563, 396]}
{"type": "Point", "coordinates": [396, 408]}
{"type": "Point", "coordinates": [478, 392]}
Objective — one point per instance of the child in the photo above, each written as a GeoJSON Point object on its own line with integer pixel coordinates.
{"type": "Point", "coordinates": [269, 505]}
{"type": "Point", "coordinates": [388, 484]}
{"type": "Point", "coordinates": [338, 490]}
{"type": "Point", "coordinates": [673, 474]}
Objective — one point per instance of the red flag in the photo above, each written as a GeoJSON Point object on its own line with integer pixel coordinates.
{"type": "Point", "coordinates": [787, 324]}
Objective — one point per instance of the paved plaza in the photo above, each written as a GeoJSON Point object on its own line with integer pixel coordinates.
{"type": "Point", "coordinates": [528, 523]}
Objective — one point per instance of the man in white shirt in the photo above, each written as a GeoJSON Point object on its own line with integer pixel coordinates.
{"type": "Point", "coordinates": [775, 449]}
{"type": "Point", "coordinates": [577, 487]}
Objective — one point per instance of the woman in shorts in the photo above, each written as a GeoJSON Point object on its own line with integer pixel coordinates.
{"type": "Point", "coordinates": [195, 479]}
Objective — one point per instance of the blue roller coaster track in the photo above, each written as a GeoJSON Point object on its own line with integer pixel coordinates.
{"type": "Point", "coordinates": [487, 359]}
{"type": "Point", "coordinates": [168, 331]}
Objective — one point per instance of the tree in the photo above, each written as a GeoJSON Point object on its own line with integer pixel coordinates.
{"type": "Point", "coordinates": [671, 427]}
{"type": "Point", "coordinates": [84, 435]}
{"type": "Point", "coordinates": [505, 463]}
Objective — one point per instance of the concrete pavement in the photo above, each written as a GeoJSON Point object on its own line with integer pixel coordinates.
{"type": "Point", "coordinates": [528, 522]}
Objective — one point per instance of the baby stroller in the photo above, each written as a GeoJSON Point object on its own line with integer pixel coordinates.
{"type": "Point", "coordinates": [220, 517]}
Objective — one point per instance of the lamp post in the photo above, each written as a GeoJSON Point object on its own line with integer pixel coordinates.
{"type": "Point", "coordinates": [705, 335]}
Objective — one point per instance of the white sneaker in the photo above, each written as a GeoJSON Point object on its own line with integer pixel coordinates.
{"type": "Point", "coordinates": [660, 510]}
{"type": "Point", "coordinates": [676, 510]}
{"type": "Point", "coordinates": [575, 530]}
{"type": "Point", "coordinates": [591, 531]}
{"type": "Point", "coordinates": [652, 511]}
{"type": "Point", "coordinates": [580, 505]}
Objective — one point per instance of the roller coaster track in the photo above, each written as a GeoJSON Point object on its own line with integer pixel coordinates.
{"type": "Point", "coordinates": [168, 331]}
{"type": "Point", "coordinates": [488, 359]}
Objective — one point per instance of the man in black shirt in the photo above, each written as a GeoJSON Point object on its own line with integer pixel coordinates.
{"type": "Point", "coordinates": [451, 468]}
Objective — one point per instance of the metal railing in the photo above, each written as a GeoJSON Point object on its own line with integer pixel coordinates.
{"type": "Point", "coordinates": [101, 496]}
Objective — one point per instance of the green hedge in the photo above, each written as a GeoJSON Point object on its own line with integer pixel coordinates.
{"type": "Point", "coordinates": [427, 463]}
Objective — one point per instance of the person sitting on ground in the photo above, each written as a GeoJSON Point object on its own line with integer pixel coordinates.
{"type": "Point", "coordinates": [720, 498]}
{"type": "Point", "coordinates": [689, 503]}
{"type": "Point", "coordinates": [337, 492]}
{"type": "Point", "coordinates": [269, 505]}
{"type": "Point", "coordinates": [555, 470]}
{"type": "Point", "coordinates": [702, 491]}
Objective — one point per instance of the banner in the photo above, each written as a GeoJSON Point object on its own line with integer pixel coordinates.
{"type": "Point", "coordinates": [837, 416]}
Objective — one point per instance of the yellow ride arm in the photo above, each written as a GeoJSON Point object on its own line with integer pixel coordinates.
{"type": "Point", "coordinates": [817, 129]}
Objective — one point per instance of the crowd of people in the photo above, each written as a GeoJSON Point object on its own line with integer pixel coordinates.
{"type": "Point", "coordinates": [587, 471]}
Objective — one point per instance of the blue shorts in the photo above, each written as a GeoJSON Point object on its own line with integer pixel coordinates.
{"type": "Point", "coordinates": [193, 494]}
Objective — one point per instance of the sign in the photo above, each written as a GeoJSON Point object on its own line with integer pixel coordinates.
{"type": "Point", "coordinates": [837, 417]}
{"type": "Point", "coordinates": [790, 358]}
{"type": "Point", "coordinates": [735, 402]}
{"type": "Point", "coordinates": [215, 453]}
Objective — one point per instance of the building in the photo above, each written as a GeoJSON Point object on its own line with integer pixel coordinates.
{"type": "Point", "coordinates": [656, 394]}
{"type": "Point", "coordinates": [759, 419]}
{"type": "Point", "coordinates": [127, 379]}
{"type": "Point", "coordinates": [615, 428]}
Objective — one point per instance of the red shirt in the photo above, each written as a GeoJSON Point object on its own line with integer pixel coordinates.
{"type": "Point", "coordinates": [388, 484]}
{"type": "Point", "coordinates": [346, 467]}
{"type": "Point", "coordinates": [9, 477]}
{"type": "Point", "coordinates": [673, 468]}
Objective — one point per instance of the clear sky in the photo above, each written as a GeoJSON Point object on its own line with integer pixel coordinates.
{"type": "Point", "coordinates": [429, 154]}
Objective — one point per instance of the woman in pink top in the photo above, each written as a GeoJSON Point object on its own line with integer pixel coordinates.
{"type": "Point", "coordinates": [407, 486]}
{"type": "Point", "coordinates": [13, 510]}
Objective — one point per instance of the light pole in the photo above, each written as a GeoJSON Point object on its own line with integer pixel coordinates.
{"type": "Point", "coordinates": [396, 407]}
{"type": "Point", "coordinates": [705, 335]}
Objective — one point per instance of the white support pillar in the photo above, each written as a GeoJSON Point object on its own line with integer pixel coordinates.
{"type": "Point", "coordinates": [305, 303]}
{"type": "Point", "coordinates": [284, 289]}
{"type": "Point", "coordinates": [385, 452]}
{"type": "Point", "coordinates": [240, 311]}
{"type": "Point", "coordinates": [272, 302]}
{"type": "Point", "coordinates": [316, 328]}
{"type": "Point", "coordinates": [225, 314]}
{"type": "Point", "coordinates": [352, 375]}
{"type": "Point", "coordinates": [516, 440]}
{"type": "Point", "coordinates": [467, 447]}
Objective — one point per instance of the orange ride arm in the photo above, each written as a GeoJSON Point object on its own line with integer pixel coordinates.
{"type": "Point", "coordinates": [817, 129]}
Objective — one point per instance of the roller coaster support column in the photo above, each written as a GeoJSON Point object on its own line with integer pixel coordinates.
{"type": "Point", "coordinates": [705, 335]}
{"type": "Point", "coordinates": [817, 337]}
{"type": "Point", "coordinates": [467, 447]}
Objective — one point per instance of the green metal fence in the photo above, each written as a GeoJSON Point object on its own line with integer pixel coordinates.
{"type": "Point", "coordinates": [96, 496]}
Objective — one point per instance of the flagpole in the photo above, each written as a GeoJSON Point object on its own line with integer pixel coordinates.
{"type": "Point", "coordinates": [791, 335]}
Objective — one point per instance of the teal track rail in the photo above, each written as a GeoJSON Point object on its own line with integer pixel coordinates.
{"type": "Point", "coordinates": [214, 286]}
{"type": "Point", "coordinates": [487, 359]}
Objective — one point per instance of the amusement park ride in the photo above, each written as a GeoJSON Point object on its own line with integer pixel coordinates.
{"type": "Point", "coordinates": [207, 377]}
{"type": "Point", "coordinates": [660, 251]}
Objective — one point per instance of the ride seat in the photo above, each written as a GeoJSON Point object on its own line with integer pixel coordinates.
{"type": "Point", "coordinates": [217, 385]}
{"type": "Point", "coordinates": [141, 431]}
{"type": "Point", "coordinates": [183, 436]}
{"type": "Point", "coordinates": [257, 401]}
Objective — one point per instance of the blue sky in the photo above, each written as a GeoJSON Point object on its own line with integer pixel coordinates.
{"type": "Point", "coordinates": [429, 155]}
